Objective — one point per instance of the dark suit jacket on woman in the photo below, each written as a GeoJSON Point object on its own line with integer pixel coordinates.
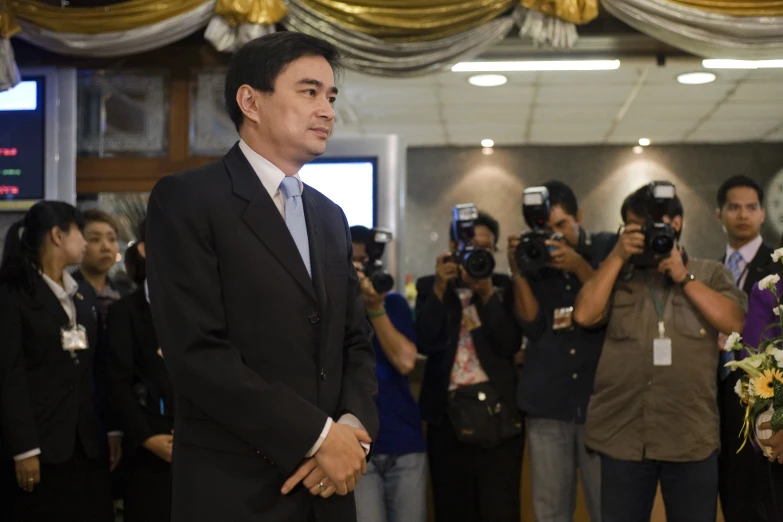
{"type": "Point", "coordinates": [141, 388]}
{"type": "Point", "coordinates": [48, 398]}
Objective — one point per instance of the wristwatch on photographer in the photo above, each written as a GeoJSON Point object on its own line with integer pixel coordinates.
{"type": "Point", "coordinates": [688, 278]}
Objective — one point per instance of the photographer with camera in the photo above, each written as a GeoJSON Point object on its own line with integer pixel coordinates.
{"type": "Point", "coordinates": [394, 488]}
{"type": "Point", "coordinates": [549, 265]}
{"type": "Point", "coordinates": [653, 416]}
{"type": "Point", "coordinates": [465, 325]}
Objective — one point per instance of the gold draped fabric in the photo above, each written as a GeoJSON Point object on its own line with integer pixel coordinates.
{"type": "Point", "coordinates": [736, 7]}
{"type": "Point", "coordinates": [410, 20]}
{"type": "Point", "coordinates": [262, 12]}
{"type": "Point", "coordinates": [8, 24]}
{"type": "Point", "coordinates": [574, 11]}
{"type": "Point", "coordinates": [123, 16]}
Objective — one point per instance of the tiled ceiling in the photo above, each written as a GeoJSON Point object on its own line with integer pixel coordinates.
{"type": "Point", "coordinates": [568, 108]}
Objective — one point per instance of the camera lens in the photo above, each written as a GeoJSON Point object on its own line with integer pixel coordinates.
{"type": "Point", "coordinates": [479, 264]}
{"type": "Point", "coordinates": [661, 244]}
{"type": "Point", "coordinates": [382, 281]}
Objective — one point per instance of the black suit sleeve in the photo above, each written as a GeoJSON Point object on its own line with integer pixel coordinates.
{"type": "Point", "coordinates": [359, 386]}
{"type": "Point", "coordinates": [498, 323]}
{"type": "Point", "coordinates": [17, 417]}
{"type": "Point", "coordinates": [106, 406]}
{"type": "Point", "coordinates": [205, 368]}
{"type": "Point", "coordinates": [121, 364]}
{"type": "Point", "coordinates": [431, 318]}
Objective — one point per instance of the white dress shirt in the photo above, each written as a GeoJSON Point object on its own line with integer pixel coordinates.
{"type": "Point", "coordinates": [271, 177]}
{"type": "Point", "coordinates": [748, 253]}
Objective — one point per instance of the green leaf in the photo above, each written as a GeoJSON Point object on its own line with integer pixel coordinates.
{"type": "Point", "coordinates": [761, 405]}
{"type": "Point", "coordinates": [778, 400]}
{"type": "Point", "coordinates": [777, 419]}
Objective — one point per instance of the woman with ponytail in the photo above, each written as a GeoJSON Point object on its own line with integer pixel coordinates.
{"type": "Point", "coordinates": [53, 445]}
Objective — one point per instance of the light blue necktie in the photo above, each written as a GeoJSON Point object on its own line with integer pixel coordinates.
{"type": "Point", "coordinates": [295, 218]}
{"type": "Point", "coordinates": [733, 264]}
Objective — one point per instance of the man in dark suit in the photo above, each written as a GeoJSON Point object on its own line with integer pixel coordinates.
{"type": "Point", "coordinates": [742, 477]}
{"type": "Point", "coordinates": [258, 308]}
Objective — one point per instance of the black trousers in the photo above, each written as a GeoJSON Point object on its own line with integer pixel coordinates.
{"type": "Point", "coordinates": [743, 477]}
{"type": "Point", "coordinates": [147, 488]}
{"type": "Point", "coordinates": [76, 491]}
{"type": "Point", "coordinates": [628, 488]}
{"type": "Point", "coordinates": [775, 471]}
{"type": "Point", "coordinates": [473, 484]}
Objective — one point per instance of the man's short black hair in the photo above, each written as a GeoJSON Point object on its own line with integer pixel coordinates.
{"type": "Point", "coordinates": [484, 220]}
{"type": "Point", "coordinates": [360, 234]}
{"type": "Point", "coordinates": [561, 194]}
{"type": "Point", "coordinates": [639, 203]}
{"type": "Point", "coordinates": [259, 62]}
{"type": "Point", "coordinates": [738, 181]}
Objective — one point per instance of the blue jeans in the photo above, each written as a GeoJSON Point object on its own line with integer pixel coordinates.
{"type": "Point", "coordinates": [394, 489]}
{"type": "Point", "coordinates": [690, 489]}
{"type": "Point", "coordinates": [557, 451]}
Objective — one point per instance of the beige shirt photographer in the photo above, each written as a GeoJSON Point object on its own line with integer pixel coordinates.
{"type": "Point", "coordinates": [639, 410]}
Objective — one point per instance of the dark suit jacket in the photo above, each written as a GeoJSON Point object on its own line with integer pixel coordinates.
{"type": "Point", "coordinates": [259, 354]}
{"type": "Point", "coordinates": [48, 399]}
{"type": "Point", "coordinates": [741, 473]}
{"type": "Point", "coordinates": [141, 388]}
{"type": "Point", "coordinates": [437, 334]}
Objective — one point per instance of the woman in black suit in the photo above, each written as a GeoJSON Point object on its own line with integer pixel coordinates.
{"type": "Point", "coordinates": [55, 463]}
{"type": "Point", "coordinates": [142, 393]}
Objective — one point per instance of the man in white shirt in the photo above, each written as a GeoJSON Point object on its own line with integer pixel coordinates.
{"type": "Point", "coordinates": [741, 476]}
{"type": "Point", "coordinates": [258, 307]}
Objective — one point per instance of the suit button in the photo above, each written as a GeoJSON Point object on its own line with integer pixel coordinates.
{"type": "Point", "coordinates": [323, 374]}
{"type": "Point", "coordinates": [314, 318]}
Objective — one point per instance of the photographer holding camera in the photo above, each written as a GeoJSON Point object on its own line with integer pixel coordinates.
{"type": "Point", "coordinates": [394, 488]}
{"type": "Point", "coordinates": [653, 416]}
{"type": "Point", "coordinates": [549, 265]}
{"type": "Point", "coordinates": [465, 325]}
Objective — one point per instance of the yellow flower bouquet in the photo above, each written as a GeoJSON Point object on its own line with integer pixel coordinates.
{"type": "Point", "coordinates": [760, 386]}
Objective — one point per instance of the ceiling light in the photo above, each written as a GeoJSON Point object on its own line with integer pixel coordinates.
{"type": "Point", "coordinates": [696, 78]}
{"type": "Point", "coordinates": [742, 64]}
{"type": "Point", "coordinates": [538, 65]}
{"type": "Point", "coordinates": [644, 142]}
{"type": "Point", "coordinates": [487, 143]}
{"type": "Point", "coordinates": [487, 80]}
{"type": "Point", "coordinates": [638, 149]}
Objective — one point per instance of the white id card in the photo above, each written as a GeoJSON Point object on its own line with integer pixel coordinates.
{"type": "Point", "coordinates": [662, 352]}
{"type": "Point", "coordinates": [74, 338]}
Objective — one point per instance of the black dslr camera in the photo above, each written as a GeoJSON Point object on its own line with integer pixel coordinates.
{"type": "Point", "coordinates": [477, 262]}
{"type": "Point", "coordinates": [532, 253]}
{"type": "Point", "coordinates": [381, 279]}
{"type": "Point", "coordinates": [659, 237]}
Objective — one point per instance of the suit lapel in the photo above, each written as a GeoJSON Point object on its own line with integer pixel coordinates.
{"type": "Point", "coordinates": [758, 268]}
{"type": "Point", "coordinates": [317, 248]}
{"type": "Point", "coordinates": [263, 218]}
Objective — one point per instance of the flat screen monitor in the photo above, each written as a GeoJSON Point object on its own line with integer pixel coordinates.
{"type": "Point", "coordinates": [23, 143]}
{"type": "Point", "coordinates": [350, 182]}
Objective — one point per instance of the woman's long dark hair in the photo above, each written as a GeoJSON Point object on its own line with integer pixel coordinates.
{"type": "Point", "coordinates": [21, 254]}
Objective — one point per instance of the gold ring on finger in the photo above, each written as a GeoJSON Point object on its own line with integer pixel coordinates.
{"type": "Point", "coordinates": [322, 486]}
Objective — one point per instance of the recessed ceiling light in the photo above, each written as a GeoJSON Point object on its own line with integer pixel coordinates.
{"type": "Point", "coordinates": [487, 80]}
{"type": "Point", "coordinates": [487, 143]}
{"type": "Point", "coordinates": [638, 149]}
{"type": "Point", "coordinates": [741, 64]}
{"type": "Point", "coordinates": [696, 78]}
{"type": "Point", "coordinates": [538, 65]}
{"type": "Point", "coordinates": [644, 142]}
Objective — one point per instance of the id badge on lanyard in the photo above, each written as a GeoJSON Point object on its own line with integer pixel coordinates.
{"type": "Point", "coordinates": [662, 346]}
{"type": "Point", "coordinates": [74, 338]}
